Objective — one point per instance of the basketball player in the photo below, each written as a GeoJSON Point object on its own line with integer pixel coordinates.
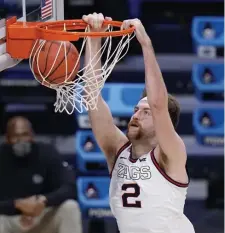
{"type": "Point", "coordinates": [148, 177]}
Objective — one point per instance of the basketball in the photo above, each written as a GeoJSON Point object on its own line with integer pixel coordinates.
{"type": "Point", "coordinates": [53, 63]}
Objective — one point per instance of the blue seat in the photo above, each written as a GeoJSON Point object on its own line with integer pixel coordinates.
{"type": "Point", "coordinates": [94, 207]}
{"type": "Point", "coordinates": [201, 88]}
{"type": "Point", "coordinates": [217, 24]}
{"type": "Point", "coordinates": [121, 97]}
{"type": "Point", "coordinates": [89, 162]}
{"type": "Point", "coordinates": [213, 134]}
{"type": "Point", "coordinates": [198, 24]}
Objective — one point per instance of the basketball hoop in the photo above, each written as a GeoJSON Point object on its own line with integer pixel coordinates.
{"type": "Point", "coordinates": [26, 40]}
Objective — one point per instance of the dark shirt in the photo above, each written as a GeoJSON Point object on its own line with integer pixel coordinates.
{"type": "Point", "coordinates": [41, 173]}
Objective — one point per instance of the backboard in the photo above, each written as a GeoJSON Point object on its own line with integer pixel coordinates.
{"type": "Point", "coordinates": [35, 10]}
{"type": "Point", "coordinates": [30, 11]}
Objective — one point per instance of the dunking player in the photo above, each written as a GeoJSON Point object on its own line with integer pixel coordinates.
{"type": "Point", "coordinates": [148, 176]}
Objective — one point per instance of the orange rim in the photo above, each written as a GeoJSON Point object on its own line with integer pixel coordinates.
{"type": "Point", "coordinates": [20, 36]}
{"type": "Point", "coordinates": [55, 29]}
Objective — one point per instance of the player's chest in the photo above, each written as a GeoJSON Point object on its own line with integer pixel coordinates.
{"type": "Point", "coordinates": [140, 170]}
{"type": "Point", "coordinates": [134, 184]}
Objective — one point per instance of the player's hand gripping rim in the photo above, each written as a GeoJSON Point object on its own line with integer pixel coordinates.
{"type": "Point", "coordinates": [140, 31]}
{"type": "Point", "coordinates": [95, 22]}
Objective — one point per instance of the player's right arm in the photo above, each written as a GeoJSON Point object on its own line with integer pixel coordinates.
{"type": "Point", "coordinates": [109, 138]}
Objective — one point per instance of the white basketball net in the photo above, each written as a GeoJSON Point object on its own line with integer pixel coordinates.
{"type": "Point", "coordinates": [82, 93]}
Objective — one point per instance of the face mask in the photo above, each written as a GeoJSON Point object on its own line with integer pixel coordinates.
{"type": "Point", "coordinates": [21, 149]}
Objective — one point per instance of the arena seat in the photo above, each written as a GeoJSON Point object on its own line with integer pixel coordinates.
{"type": "Point", "coordinates": [209, 131]}
{"type": "Point", "coordinates": [89, 162]}
{"type": "Point", "coordinates": [206, 89]}
{"type": "Point", "coordinates": [97, 207]}
{"type": "Point", "coordinates": [205, 46]}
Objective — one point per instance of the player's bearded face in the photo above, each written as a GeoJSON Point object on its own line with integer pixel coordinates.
{"type": "Point", "coordinates": [141, 123]}
{"type": "Point", "coordinates": [139, 130]}
{"type": "Point", "coordinates": [135, 130]}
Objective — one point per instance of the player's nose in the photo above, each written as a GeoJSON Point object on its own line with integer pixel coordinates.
{"type": "Point", "coordinates": [136, 115]}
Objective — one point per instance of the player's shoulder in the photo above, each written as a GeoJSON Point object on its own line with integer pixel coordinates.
{"type": "Point", "coordinates": [120, 152]}
{"type": "Point", "coordinates": [123, 148]}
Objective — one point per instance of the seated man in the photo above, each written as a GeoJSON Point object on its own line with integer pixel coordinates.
{"type": "Point", "coordinates": [37, 188]}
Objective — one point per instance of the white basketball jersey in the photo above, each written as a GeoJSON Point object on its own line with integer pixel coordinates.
{"type": "Point", "coordinates": [144, 199]}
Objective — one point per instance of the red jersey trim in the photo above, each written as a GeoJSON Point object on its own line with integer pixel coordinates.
{"type": "Point", "coordinates": [132, 160]}
{"type": "Point", "coordinates": [118, 154]}
{"type": "Point", "coordinates": [163, 173]}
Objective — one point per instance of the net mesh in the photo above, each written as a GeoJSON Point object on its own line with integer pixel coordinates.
{"type": "Point", "coordinates": [82, 93]}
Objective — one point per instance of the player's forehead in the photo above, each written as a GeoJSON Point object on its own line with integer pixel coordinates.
{"type": "Point", "coordinates": [143, 103]}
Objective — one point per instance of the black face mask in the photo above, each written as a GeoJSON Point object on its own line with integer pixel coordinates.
{"type": "Point", "coordinates": [22, 149]}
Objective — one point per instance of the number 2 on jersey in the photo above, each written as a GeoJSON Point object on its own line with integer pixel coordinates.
{"type": "Point", "coordinates": [136, 193]}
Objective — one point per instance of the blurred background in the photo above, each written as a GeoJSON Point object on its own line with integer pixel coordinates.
{"type": "Point", "coordinates": [188, 38]}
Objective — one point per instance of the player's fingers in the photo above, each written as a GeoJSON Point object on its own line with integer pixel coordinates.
{"type": "Point", "coordinates": [100, 20]}
{"type": "Point", "coordinates": [132, 22]}
{"type": "Point", "coordinates": [85, 18]}
{"type": "Point", "coordinates": [122, 26]}
{"type": "Point", "coordinates": [90, 20]}
{"type": "Point", "coordinates": [101, 16]}
{"type": "Point", "coordinates": [125, 24]}
{"type": "Point", "coordinates": [128, 24]}
{"type": "Point", "coordinates": [95, 20]}
{"type": "Point", "coordinates": [136, 22]}
{"type": "Point", "coordinates": [108, 18]}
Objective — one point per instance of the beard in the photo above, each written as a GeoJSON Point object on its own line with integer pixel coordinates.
{"type": "Point", "coordinates": [134, 131]}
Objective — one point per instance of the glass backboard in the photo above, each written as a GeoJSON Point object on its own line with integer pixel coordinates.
{"type": "Point", "coordinates": [26, 10]}
{"type": "Point", "coordinates": [35, 10]}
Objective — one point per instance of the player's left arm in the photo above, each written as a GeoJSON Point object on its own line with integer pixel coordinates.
{"type": "Point", "coordinates": [170, 143]}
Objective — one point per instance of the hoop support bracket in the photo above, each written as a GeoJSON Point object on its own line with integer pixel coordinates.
{"type": "Point", "coordinates": [20, 37]}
